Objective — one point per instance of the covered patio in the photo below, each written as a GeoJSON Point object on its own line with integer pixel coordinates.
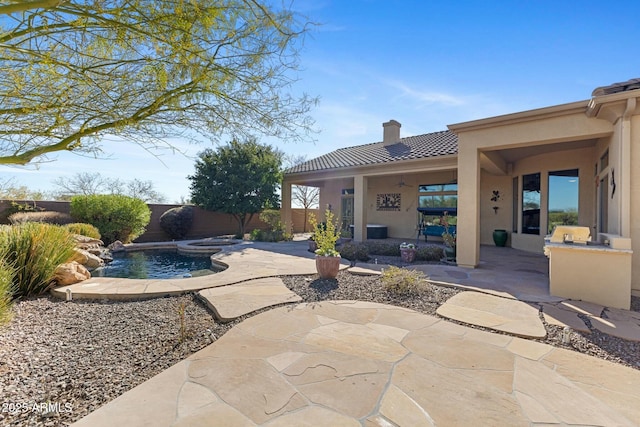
{"type": "Point", "coordinates": [502, 271]}
{"type": "Point", "coordinates": [523, 173]}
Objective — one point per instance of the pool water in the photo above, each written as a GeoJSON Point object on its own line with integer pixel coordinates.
{"type": "Point", "coordinates": [156, 264]}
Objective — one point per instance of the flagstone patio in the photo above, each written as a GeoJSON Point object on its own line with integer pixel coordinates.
{"type": "Point", "coordinates": [357, 363]}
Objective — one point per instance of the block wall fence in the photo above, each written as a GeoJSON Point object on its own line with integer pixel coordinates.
{"type": "Point", "coordinates": [205, 223]}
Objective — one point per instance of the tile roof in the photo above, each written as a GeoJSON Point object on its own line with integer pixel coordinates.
{"type": "Point", "coordinates": [434, 144]}
{"type": "Point", "coordinates": [632, 84]}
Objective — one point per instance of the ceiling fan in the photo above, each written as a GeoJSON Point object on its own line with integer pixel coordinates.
{"type": "Point", "coordinates": [402, 183]}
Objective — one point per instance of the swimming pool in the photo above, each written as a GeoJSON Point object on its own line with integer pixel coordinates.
{"type": "Point", "coordinates": [157, 264]}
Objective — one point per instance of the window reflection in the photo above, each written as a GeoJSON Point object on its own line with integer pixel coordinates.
{"type": "Point", "coordinates": [531, 203]}
{"type": "Point", "coordinates": [563, 198]}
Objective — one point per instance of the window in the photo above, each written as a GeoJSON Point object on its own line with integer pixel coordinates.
{"type": "Point", "coordinates": [438, 196]}
{"type": "Point", "coordinates": [563, 198]}
{"type": "Point", "coordinates": [531, 203]}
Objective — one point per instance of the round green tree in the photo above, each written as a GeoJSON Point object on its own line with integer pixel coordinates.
{"type": "Point", "coordinates": [240, 179]}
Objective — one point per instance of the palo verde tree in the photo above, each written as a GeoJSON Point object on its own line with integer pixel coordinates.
{"type": "Point", "coordinates": [241, 179]}
{"type": "Point", "coordinates": [75, 71]}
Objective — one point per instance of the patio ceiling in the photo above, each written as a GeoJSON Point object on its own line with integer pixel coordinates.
{"type": "Point", "coordinates": [512, 155]}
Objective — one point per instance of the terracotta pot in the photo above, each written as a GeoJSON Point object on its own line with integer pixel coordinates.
{"type": "Point", "coordinates": [327, 266]}
{"type": "Point", "coordinates": [408, 255]}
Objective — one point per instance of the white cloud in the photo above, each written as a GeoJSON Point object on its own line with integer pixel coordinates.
{"type": "Point", "coordinates": [426, 96]}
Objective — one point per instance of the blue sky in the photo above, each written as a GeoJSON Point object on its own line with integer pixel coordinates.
{"type": "Point", "coordinates": [424, 63]}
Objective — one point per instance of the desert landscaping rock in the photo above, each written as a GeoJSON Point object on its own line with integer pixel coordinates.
{"type": "Point", "coordinates": [70, 273]}
{"type": "Point", "coordinates": [87, 353]}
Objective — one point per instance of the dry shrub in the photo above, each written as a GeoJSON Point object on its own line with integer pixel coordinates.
{"type": "Point", "coordinates": [48, 217]}
{"type": "Point", "coordinates": [84, 229]}
{"type": "Point", "coordinates": [403, 281]}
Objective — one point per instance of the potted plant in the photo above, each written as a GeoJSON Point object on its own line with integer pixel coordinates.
{"type": "Point", "coordinates": [325, 236]}
{"type": "Point", "coordinates": [407, 252]}
{"type": "Point", "coordinates": [448, 238]}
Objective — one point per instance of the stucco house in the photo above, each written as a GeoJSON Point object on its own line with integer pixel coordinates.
{"type": "Point", "coordinates": [576, 163]}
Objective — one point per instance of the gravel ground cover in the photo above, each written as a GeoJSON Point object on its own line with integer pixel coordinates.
{"type": "Point", "coordinates": [77, 356]}
{"type": "Point", "coordinates": [80, 355]}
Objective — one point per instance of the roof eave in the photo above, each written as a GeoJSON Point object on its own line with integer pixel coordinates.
{"type": "Point", "coordinates": [443, 162]}
{"type": "Point", "coordinates": [597, 102]}
{"type": "Point", "coordinates": [522, 116]}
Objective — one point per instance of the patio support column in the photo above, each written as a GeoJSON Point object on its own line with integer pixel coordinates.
{"type": "Point", "coordinates": [285, 211]}
{"type": "Point", "coordinates": [625, 176]}
{"type": "Point", "coordinates": [468, 228]}
{"type": "Point", "coordinates": [359, 208]}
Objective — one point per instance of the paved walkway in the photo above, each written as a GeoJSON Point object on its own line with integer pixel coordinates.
{"type": "Point", "coordinates": [356, 363]}
{"type": "Point", "coordinates": [366, 364]}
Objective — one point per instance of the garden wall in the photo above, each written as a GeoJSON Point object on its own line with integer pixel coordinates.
{"type": "Point", "coordinates": [205, 223]}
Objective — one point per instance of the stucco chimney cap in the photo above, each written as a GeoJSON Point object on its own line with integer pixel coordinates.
{"type": "Point", "coordinates": [392, 123]}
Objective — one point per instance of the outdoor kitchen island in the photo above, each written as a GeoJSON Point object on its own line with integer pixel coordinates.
{"type": "Point", "coordinates": [597, 272]}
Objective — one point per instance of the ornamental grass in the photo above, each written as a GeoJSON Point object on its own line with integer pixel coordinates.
{"type": "Point", "coordinates": [34, 250]}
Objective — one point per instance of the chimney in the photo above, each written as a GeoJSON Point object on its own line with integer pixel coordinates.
{"type": "Point", "coordinates": [391, 133]}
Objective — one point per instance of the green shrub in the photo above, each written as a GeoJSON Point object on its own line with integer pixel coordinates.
{"type": "Point", "coordinates": [271, 217]}
{"type": "Point", "coordinates": [382, 248]}
{"type": "Point", "coordinates": [117, 217]}
{"type": "Point", "coordinates": [403, 281]}
{"type": "Point", "coordinates": [49, 217]}
{"type": "Point", "coordinates": [177, 222]}
{"type": "Point", "coordinates": [6, 290]}
{"type": "Point", "coordinates": [268, 236]}
{"type": "Point", "coordinates": [354, 252]}
{"type": "Point", "coordinates": [34, 250]}
{"type": "Point", "coordinates": [277, 231]}
{"type": "Point", "coordinates": [83, 229]}
{"type": "Point", "coordinates": [430, 253]}
{"type": "Point", "coordinates": [256, 234]}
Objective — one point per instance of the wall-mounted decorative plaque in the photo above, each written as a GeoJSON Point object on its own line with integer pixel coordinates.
{"type": "Point", "coordinates": [388, 202]}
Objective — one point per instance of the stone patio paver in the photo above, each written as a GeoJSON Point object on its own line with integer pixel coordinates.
{"type": "Point", "coordinates": [628, 329]}
{"type": "Point", "coordinates": [231, 302]}
{"type": "Point", "coordinates": [501, 314]}
{"type": "Point", "coordinates": [561, 315]}
{"type": "Point", "coordinates": [362, 271]}
{"type": "Point", "coordinates": [428, 373]}
{"type": "Point", "coordinates": [619, 323]}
